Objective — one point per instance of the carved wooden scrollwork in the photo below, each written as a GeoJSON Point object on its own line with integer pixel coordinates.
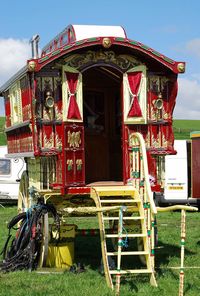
{"type": "Point", "coordinates": [124, 62]}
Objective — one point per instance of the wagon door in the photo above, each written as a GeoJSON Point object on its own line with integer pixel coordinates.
{"type": "Point", "coordinates": [135, 106]}
{"type": "Point", "coordinates": [73, 129]}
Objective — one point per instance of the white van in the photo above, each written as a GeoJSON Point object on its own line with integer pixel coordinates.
{"type": "Point", "coordinates": [177, 176]}
{"type": "Point", "coordinates": [10, 174]}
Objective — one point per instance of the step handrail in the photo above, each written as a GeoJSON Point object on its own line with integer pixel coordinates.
{"type": "Point", "coordinates": [146, 172]}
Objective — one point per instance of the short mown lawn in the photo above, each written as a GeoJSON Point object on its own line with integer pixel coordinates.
{"type": "Point", "coordinates": [91, 282]}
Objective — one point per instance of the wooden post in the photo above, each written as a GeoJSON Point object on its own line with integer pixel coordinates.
{"type": "Point", "coordinates": [183, 235]}
{"type": "Point", "coordinates": [120, 243]}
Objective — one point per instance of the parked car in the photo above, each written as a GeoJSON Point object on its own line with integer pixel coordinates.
{"type": "Point", "coordinates": [10, 174]}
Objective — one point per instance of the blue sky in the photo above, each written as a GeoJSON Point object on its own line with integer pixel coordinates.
{"type": "Point", "coordinates": [170, 27]}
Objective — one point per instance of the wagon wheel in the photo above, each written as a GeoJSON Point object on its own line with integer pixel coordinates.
{"type": "Point", "coordinates": [23, 195]}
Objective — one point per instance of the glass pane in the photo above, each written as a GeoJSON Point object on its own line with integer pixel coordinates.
{"type": "Point", "coordinates": [5, 166]}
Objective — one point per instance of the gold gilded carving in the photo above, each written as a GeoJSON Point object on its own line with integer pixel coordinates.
{"type": "Point", "coordinates": [106, 42]}
{"type": "Point", "coordinates": [48, 142]}
{"type": "Point", "coordinates": [58, 113]}
{"type": "Point", "coordinates": [47, 83]}
{"type": "Point", "coordinates": [58, 141]}
{"type": "Point", "coordinates": [181, 67]}
{"type": "Point", "coordinates": [156, 142]}
{"type": "Point", "coordinates": [131, 140]}
{"type": "Point", "coordinates": [122, 61]}
{"type": "Point", "coordinates": [74, 139]}
{"type": "Point", "coordinates": [32, 66]}
{"type": "Point", "coordinates": [79, 163]}
{"type": "Point", "coordinates": [164, 142]}
{"type": "Point", "coordinates": [147, 140]}
{"type": "Point", "coordinates": [69, 164]}
{"type": "Point", "coordinates": [165, 116]}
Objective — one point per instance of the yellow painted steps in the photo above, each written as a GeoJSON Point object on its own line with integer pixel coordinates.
{"type": "Point", "coordinates": [127, 197]}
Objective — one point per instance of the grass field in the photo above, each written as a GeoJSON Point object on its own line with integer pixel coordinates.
{"type": "Point", "coordinates": [91, 282]}
{"type": "Point", "coordinates": [2, 133]}
{"type": "Point", "coordinates": [182, 128]}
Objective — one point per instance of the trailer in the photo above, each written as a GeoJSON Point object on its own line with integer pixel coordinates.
{"type": "Point", "coordinates": [11, 170]}
{"type": "Point", "coordinates": [92, 117]}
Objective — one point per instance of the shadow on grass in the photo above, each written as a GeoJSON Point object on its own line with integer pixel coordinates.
{"type": "Point", "coordinates": [164, 254]}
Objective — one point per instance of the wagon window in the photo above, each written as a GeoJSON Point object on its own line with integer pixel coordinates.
{"type": "Point", "coordinates": [5, 166]}
{"type": "Point", "coordinates": [65, 39]}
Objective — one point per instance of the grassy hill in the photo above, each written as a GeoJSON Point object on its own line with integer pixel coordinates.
{"type": "Point", "coordinates": [182, 129]}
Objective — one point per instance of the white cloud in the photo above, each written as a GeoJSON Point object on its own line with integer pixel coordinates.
{"type": "Point", "coordinates": [193, 46]}
{"type": "Point", "coordinates": [13, 56]}
{"type": "Point", "coordinates": [188, 99]}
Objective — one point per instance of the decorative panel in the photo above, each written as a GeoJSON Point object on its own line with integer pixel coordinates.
{"type": "Point", "coordinates": [7, 109]}
{"type": "Point", "coordinates": [47, 137]}
{"type": "Point", "coordinates": [16, 103]}
{"type": "Point", "coordinates": [58, 136]}
{"type": "Point", "coordinates": [58, 98]}
{"type": "Point", "coordinates": [26, 99]}
{"type": "Point", "coordinates": [73, 160]}
{"type": "Point", "coordinates": [161, 97]}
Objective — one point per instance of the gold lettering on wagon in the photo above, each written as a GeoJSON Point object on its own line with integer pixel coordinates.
{"type": "Point", "coordinates": [74, 139]}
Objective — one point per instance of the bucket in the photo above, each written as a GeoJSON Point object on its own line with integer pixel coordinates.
{"type": "Point", "coordinates": [61, 251]}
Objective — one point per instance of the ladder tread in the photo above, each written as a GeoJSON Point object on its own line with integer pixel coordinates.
{"type": "Point", "coordinates": [124, 218]}
{"type": "Point", "coordinates": [121, 189]}
{"type": "Point", "coordinates": [128, 253]}
{"type": "Point", "coordinates": [126, 235]}
{"type": "Point", "coordinates": [131, 271]}
{"type": "Point", "coordinates": [120, 200]}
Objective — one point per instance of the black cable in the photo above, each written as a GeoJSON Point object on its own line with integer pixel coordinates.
{"type": "Point", "coordinates": [24, 251]}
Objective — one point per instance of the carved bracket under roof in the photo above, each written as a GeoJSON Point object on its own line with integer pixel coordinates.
{"type": "Point", "coordinates": [121, 61]}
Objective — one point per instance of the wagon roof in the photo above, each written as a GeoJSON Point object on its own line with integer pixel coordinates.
{"type": "Point", "coordinates": [84, 37]}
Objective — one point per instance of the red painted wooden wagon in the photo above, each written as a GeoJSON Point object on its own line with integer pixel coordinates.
{"type": "Point", "coordinates": [92, 116]}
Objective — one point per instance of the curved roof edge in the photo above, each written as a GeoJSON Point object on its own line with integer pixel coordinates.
{"type": "Point", "coordinates": [174, 66]}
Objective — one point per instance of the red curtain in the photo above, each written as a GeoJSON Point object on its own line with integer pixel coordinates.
{"type": "Point", "coordinates": [73, 110]}
{"type": "Point", "coordinates": [134, 79]}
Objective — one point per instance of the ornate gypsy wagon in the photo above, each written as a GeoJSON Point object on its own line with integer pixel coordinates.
{"type": "Point", "coordinates": [92, 117]}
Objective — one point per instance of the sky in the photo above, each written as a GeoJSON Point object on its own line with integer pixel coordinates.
{"type": "Point", "coordinates": [170, 27]}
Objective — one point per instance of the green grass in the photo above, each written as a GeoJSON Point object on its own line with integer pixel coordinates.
{"type": "Point", "coordinates": [91, 282]}
{"type": "Point", "coordinates": [183, 128]}
{"type": "Point", "coordinates": [2, 133]}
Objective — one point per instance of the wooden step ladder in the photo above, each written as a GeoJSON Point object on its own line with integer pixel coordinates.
{"type": "Point", "coordinates": [130, 212]}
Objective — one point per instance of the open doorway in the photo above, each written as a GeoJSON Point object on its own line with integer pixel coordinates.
{"type": "Point", "coordinates": [102, 122]}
